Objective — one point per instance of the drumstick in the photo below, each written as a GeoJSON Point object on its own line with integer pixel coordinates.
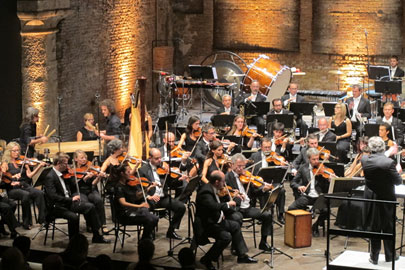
{"type": "Point", "coordinates": [46, 129]}
{"type": "Point", "coordinates": [51, 133]}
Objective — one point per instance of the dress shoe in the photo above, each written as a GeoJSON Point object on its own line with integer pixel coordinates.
{"type": "Point", "coordinates": [372, 261]}
{"type": "Point", "coordinates": [281, 219]}
{"type": "Point", "coordinates": [207, 263]}
{"type": "Point", "coordinates": [233, 252]}
{"type": "Point", "coordinates": [396, 258]}
{"type": "Point", "coordinates": [100, 240]}
{"type": "Point", "coordinates": [264, 246]}
{"type": "Point", "coordinates": [173, 235]}
{"type": "Point", "coordinates": [246, 259]}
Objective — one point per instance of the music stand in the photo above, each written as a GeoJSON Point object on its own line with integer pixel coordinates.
{"type": "Point", "coordinates": [388, 87]}
{"type": "Point", "coordinates": [170, 119]}
{"type": "Point", "coordinates": [40, 180]}
{"type": "Point", "coordinates": [273, 174]}
{"type": "Point", "coordinates": [378, 72]}
{"type": "Point", "coordinates": [329, 108]}
{"type": "Point", "coordinates": [256, 108]}
{"type": "Point", "coordinates": [222, 120]}
{"type": "Point", "coordinates": [203, 72]}
{"type": "Point", "coordinates": [331, 146]}
{"type": "Point", "coordinates": [303, 108]}
{"type": "Point", "coordinates": [371, 130]}
{"type": "Point", "coordinates": [286, 119]}
{"type": "Point", "coordinates": [338, 168]}
{"type": "Point", "coordinates": [345, 184]}
{"type": "Point", "coordinates": [401, 114]}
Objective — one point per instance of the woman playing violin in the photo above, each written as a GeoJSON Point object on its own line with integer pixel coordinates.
{"type": "Point", "coordinates": [238, 127]}
{"type": "Point", "coordinates": [212, 162]}
{"type": "Point", "coordinates": [88, 132]}
{"type": "Point", "coordinates": [19, 186]}
{"type": "Point", "coordinates": [88, 185]}
{"type": "Point", "coordinates": [193, 132]}
{"type": "Point", "coordinates": [132, 207]}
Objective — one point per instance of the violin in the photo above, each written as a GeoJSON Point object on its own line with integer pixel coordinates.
{"type": "Point", "coordinates": [124, 157]}
{"type": "Point", "coordinates": [80, 173]}
{"type": "Point", "coordinates": [228, 190]}
{"type": "Point", "coordinates": [224, 159]}
{"type": "Point", "coordinates": [276, 159]}
{"type": "Point", "coordinates": [178, 152]}
{"type": "Point", "coordinates": [197, 133]}
{"type": "Point", "coordinates": [6, 177]}
{"type": "Point", "coordinates": [280, 140]}
{"type": "Point", "coordinates": [134, 181]}
{"type": "Point", "coordinates": [323, 152]}
{"type": "Point", "coordinates": [247, 177]}
{"type": "Point", "coordinates": [29, 161]}
{"type": "Point", "coordinates": [250, 132]}
{"type": "Point", "coordinates": [174, 171]}
{"type": "Point", "coordinates": [324, 171]}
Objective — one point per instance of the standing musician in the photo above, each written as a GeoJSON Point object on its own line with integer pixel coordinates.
{"type": "Point", "coordinates": [359, 106]}
{"type": "Point", "coordinates": [113, 128]}
{"type": "Point", "coordinates": [325, 135]}
{"type": "Point", "coordinates": [292, 95]}
{"type": "Point", "coordinates": [238, 129]}
{"type": "Point", "coordinates": [343, 131]}
{"type": "Point", "coordinates": [388, 111]}
{"type": "Point", "coordinates": [227, 107]}
{"type": "Point", "coordinates": [133, 207]}
{"type": "Point", "coordinates": [257, 96]}
{"type": "Point", "coordinates": [64, 201]}
{"type": "Point", "coordinates": [210, 214]}
{"type": "Point", "coordinates": [280, 142]}
{"type": "Point", "coordinates": [159, 196]}
{"type": "Point", "coordinates": [193, 132]}
{"type": "Point", "coordinates": [211, 163]}
{"type": "Point", "coordinates": [19, 186]}
{"type": "Point", "coordinates": [395, 71]}
{"type": "Point", "coordinates": [88, 185]}
{"type": "Point", "coordinates": [88, 132]}
{"type": "Point", "coordinates": [28, 132]}
{"type": "Point", "coordinates": [310, 186]}
{"type": "Point", "coordinates": [245, 190]}
{"type": "Point", "coordinates": [381, 176]}
{"type": "Point", "coordinates": [262, 155]}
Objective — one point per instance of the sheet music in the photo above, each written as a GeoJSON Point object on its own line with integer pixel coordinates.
{"type": "Point", "coordinates": [400, 191]}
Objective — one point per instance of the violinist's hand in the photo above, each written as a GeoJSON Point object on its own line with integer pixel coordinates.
{"type": "Point", "coordinates": [302, 189]}
{"type": "Point", "coordinates": [231, 146]}
{"type": "Point", "coordinates": [154, 198]}
{"type": "Point", "coordinates": [15, 183]}
{"type": "Point", "coordinates": [76, 198]}
{"type": "Point", "coordinates": [17, 176]}
{"type": "Point", "coordinates": [224, 113]}
{"type": "Point", "coordinates": [231, 203]}
{"type": "Point", "coordinates": [144, 205]}
{"type": "Point", "coordinates": [185, 156]}
{"type": "Point", "coordinates": [42, 164]}
{"type": "Point", "coordinates": [88, 175]}
{"type": "Point", "coordinates": [267, 187]}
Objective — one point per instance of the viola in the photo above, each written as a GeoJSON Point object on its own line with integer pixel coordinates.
{"type": "Point", "coordinates": [276, 159]}
{"type": "Point", "coordinates": [247, 132]}
{"type": "Point", "coordinates": [324, 171]}
{"type": "Point", "coordinates": [228, 190]}
{"type": "Point", "coordinates": [247, 177]}
{"type": "Point", "coordinates": [134, 181]}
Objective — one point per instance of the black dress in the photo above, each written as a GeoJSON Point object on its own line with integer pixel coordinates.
{"type": "Point", "coordinates": [189, 143]}
{"type": "Point", "coordinates": [342, 145]}
{"type": "Point", "coordinates": [88, 135]}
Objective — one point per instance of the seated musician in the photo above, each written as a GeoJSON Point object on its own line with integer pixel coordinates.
{"type": "Point", "coordinates": [278, 107]}
{"type": "Point", "coordinates": [259, 161]}
{"type": "Point", "coordinates": [246, 190]}
{"type": "Point", "coordinates": [311, 142]}
{"type": "Point", "coordinates": [310, 186]}
{"type": "Point", "coordinates": [113, 128]}
{"type": "Point", "coordinates": [256, 96]}
{"type": "Point", "coordinates": [246, 139]}
{"type": "Point", "coordinates": [63, 200]}
{"type": "Point", "coordinates": [355, 169]}
{"type": "Point", "coordinates": [115, 150]}
{"type": "Point", "coordinates": [293, 97]}
{"type": "Point", "coordinates": [388, 117]}
{"type": "Point", "coordinates": [133, 207]}
{"type": "Point", "coordinates": [192, 134]}
{"type": "Point", "coordinates": [227, 107]}
{"type": "Point", "coordinates": [390, 146]}
{"type": "Point", "coordinates": [212, 161]}
{"type": "Point", "coordinates": [343, 131]}
{"type": "Point", "coordinates": [19, 184]}
{"type": "Point", "coordinates": [159, 197]}
{"type": "Point", "coordinates": [280, 142]}
{"type": "Point", "coordinates": [210, 214]}
{"type": "Point", "coordinates": [88, 132]}
{"type": "Point", "coordinates": [325, 134]}
{"type": "Point", "coordinates": [28, 132]}
{"type": "Point", "coordinates": [87, 183]}
{"type": "Point", "coordinates": [7, 209]}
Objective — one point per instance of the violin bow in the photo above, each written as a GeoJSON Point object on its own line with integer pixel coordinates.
{"type": "Point", "coordinates": [143, 190]}
{"type": "Point", "coordinates": [77, 185]}
{"type": "Point", "coordinates": [25, 158]}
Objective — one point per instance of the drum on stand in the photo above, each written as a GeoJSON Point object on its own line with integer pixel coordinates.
{"type": "Point", "coordinates": [273, 77]}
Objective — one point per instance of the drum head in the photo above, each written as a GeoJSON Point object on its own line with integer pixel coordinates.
{"type": "Point", "coordinates": [279, 84]}
{"type": "Point", "coordinates": [226, 71]}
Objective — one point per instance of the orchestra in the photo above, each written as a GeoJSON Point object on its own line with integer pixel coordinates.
{"type": "Point", "coordinates": [225, 162]}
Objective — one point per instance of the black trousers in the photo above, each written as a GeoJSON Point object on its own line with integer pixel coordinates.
{"type": "Point", "coordinates": [177, 207]}
{"type": "Point", "coordinates": [280, 201]}
{"type": "Point", "coordinates": [95, 198]}
{"type": "Point", "coordinates": [143, 217]}
{"type": "Point", "coordinates": [224, 233]}
{"type": "Point", "coordinates": [26, 194]}
{"type": "Point", "coordinates": [303, 201]}
{"type": "Point", "coordinates": [264, 217]}
{"type": "Point", "coordinates": [7, 209]}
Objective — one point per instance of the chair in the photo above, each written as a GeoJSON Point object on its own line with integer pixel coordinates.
{"type": "Point", "coordinates": [246, 224]}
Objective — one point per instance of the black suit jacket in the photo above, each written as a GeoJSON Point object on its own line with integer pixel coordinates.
{"type": "Point", "coordinates": [398, 129]}
{"type": "Point", "coordinates": [54, 192]}
{"type": "Point", "coordinates": [234, 110]}
{"type": "Point", "coordinates": [255, 158]}
{"type": "Point", "coordinates": [146, 171]}
{"type": "Point", "coordinates": [329, 137]}
{"type": "Point", "coordinates": [364, 107]}
{"type": "Point", "coordinates": [299, 98]}
{"type": "Point", "coordinates": [200, 152]}
{"type": "Point", "coordinates": [399, 72]}
{"type": "Point", "coordinates": [303, 177]}
{"type": "Point", "coordinates": [302, 158]}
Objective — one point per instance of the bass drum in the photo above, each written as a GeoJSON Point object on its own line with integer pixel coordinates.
{"type": "Point", "coordinates": [273, 77]}
{"type": "Point", "coordinates": [227, 72]}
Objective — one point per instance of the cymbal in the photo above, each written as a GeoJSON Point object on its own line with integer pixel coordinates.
{"type": "Point", "coordinates": [336, 72]}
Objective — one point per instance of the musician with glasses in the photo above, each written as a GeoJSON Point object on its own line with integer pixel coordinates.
{"type": "Point", "coordinates": [88, 132]}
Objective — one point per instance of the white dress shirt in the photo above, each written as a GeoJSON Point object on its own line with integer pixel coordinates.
{"type": "Point", "coordinates": [246, 202]}
{"type": "Point", "coordinates": [312, 191]}
{"type": "Point", "coordinates": [158, 189]}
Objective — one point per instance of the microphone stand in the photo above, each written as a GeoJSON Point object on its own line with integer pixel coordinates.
{"type": "Point", "coordinates": [59, 137]}
{"type": "Point", "coordinates": [368, 61]}
{"type": "Point", "coordinates": [97, 95]}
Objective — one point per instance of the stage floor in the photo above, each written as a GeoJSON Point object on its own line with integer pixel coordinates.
{"type": "Point", "coordinates": [315, 260]}
{"type": "Point", "coordinates": [360, 260]}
